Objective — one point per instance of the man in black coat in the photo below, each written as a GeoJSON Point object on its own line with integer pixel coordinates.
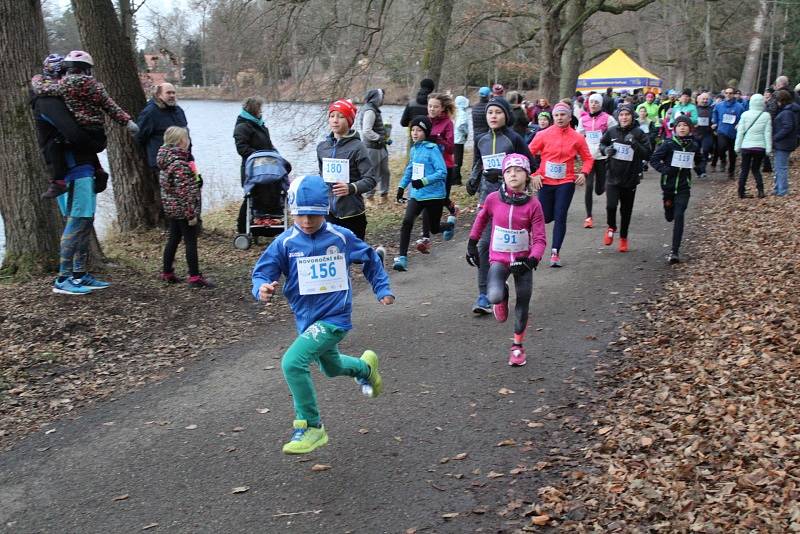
{"type": "Point", "coordinates": [418, 106]}
{"type": "Point", "coordinates": [159, 114]}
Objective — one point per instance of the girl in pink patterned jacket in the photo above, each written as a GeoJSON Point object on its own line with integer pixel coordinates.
{"type": "Point", "coordinates": [517, 244]}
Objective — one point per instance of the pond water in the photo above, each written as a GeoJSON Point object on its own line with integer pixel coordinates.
{"type": "Point", "coordinates": [295, 129]}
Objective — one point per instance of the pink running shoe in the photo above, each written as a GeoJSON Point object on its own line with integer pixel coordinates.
{"type": "Point", "coordinates": [501, 311]}
{"type": "Point", "coordinates": [516, 357]}
{"type": "Point", "coordinates": [555, 259]}
{"type": "Point", "coordinates": [424, 245]}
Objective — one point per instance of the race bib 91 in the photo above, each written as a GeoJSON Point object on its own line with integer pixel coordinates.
{"type": "Point", "coordinates": [682, 160]}
{"type": "Point", "coordinates": [335, 170]}
{"type": "Point", "coordinates": [322, 274]}
{"type": "Point", "coordinates": [493, 161]}
{"type": "Point", "coordinates": [624, 152]}
{"type": "Point", "coordinates": [505, 240]}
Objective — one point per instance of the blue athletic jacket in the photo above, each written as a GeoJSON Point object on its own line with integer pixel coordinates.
{"type": "Point", "coordinates": [430, 155]}
{"type": "Point", "coordinates": [727, 108]}
{"type": "Point", "coordinates": [336, 307]}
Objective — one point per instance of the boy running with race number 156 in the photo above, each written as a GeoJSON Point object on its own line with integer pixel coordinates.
{"type": "Point", "coordinates": [315, 257]}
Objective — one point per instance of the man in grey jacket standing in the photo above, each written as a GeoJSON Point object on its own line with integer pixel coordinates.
{"type": "Point", "coordinates": [373, 135]}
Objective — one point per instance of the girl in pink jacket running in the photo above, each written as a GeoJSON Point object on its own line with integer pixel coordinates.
{"type": "Point", "coordinates": [517, 243]}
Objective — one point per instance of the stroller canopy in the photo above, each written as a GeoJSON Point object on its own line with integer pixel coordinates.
{"type": "Point", "coordinates": [265, 167]}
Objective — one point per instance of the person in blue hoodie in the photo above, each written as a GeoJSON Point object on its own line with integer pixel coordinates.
{"type": "Point", "coordinates": [724, 120]}
{"type": "Point", "coordinates": [315, 257]}
{"type": "Point", "coordinates": [426, 173]}
{"type": "Point", "coordinates": [785, 138]}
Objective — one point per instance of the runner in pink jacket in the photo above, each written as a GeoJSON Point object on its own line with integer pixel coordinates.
{"type": "Point", "coordinates": [518, 241]}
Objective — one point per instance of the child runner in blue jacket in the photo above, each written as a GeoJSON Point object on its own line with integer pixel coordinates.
{"type": "Point", "coordinates": [427, 174]}
{"type": "Point", "coordinates": [315, 257]}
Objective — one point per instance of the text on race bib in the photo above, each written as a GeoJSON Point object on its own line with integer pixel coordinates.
{"type": "Point", "coordinates": [682, 160]}
{"type": "Point", "coordinates": [417, 171]}
{"type": "Point", "coordinates": [493, 161]}
{"type": "Point", "coordinates": [322, 274]}
{"type": "Point", "coordinates": [556, 171]}
{"type": "Point", "coordinates": [729, 118]}
{"type": "Point", "coordinates": [335, 170]}
{"type": "Point", "coordinates": [505, 240]}
{"type": "Point", "coordinates": [702, 121]}
{"type": "Point", "coordinates": [624, 152]}
{"type": "Point", "coordinates": [593, 138]}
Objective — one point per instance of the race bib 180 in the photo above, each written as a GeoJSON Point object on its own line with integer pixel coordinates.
{"type": "Point", "coordinates": [493, 161]}
{"type": "Point", "coordinates": [322, 274]}
{"type": "Point", "coordinates": [335, 170]}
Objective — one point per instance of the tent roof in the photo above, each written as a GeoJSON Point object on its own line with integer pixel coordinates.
{"type": "Point", "coordinates": [617, 70]}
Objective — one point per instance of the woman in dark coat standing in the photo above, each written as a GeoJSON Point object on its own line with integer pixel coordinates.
{"type": "Point", "coordinates": [250, 135]}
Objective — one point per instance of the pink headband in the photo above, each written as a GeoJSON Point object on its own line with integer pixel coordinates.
{"type": "Point", "coordinates": [561, 107]}
{"type": "Point", "coordinates": [516, 160]}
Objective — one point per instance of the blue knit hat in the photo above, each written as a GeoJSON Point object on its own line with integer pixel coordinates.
{"type": "Point", "coordinates": [308, 195]}
{"type": "Point", "coordinates": [484, 91]}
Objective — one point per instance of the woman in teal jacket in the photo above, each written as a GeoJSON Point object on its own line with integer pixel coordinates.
{"type": "Point", "coordinates": [426, 173]}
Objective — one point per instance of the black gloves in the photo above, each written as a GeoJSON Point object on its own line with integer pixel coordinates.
{"type": "Point", "coordinates": [521, 267]}
{"type": "Point", "coordinates": [492, 175]}
{"type": "Point", "coordinates": [417, 184]}
{"type": "Point", "coordinates": [610, 151]}
{"type": "Point", "coordinates": [400, 192]}
{"type": "Point", "coordinates": [473, 256]}
{"type": "Point", "coordinates": [471, 188]}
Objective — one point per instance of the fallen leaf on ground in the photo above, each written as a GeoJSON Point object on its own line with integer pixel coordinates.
{"type": "Point", "coordinates": [450, 515]}
{"type": "Point", "coordinates": [191, 427]}
{"type": "Point", "coordinates": [320, 467]}
{"type": "Point", "coordinates": [505, 391]}
{"type": "Point", "coordinates": [240, 489]}
{"type": "Point", "coordinates": [120, 497]}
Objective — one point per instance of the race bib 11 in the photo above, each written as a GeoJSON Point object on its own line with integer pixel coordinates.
{"type": "Point", "coordinates": [335, 170]}
{"type": "Point", "coordinates": [322, 274]}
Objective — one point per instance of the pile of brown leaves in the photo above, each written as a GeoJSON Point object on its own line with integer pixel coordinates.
{"type": "Point", "coordinates": [700, 432]}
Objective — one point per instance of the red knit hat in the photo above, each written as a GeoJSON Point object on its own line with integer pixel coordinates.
{"type": "Point", "coordinates": [346, 108]}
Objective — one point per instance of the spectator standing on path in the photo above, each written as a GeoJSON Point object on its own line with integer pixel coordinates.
{"type": "Point", "coordinates": [754, 143]}
{"type": "Point", "coordinates": [250, 135]}
{"type": "Point", "coordinates": [373, 135]}
{"type": "Point", "coordinates": [479, 124]}
{"type": "Point", "coordinates": [461, 135]}
{"type": "Point", "coordinates": [608, 101]}
{"type": "Point", "coordinates": [418, 106]}
{"type": "Point", "coordinates": [785, 134]}
{"type": "Point", "coordinates": [161, 112]}
{"type": "Point", "coordinates": [724, 120]}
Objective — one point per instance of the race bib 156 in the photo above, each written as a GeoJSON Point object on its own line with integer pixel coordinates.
{"type": "Point", "coordinates": [322, 274]}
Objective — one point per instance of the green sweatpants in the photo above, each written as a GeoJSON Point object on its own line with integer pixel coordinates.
{"type": "Point", "coordinates": [319, 343]}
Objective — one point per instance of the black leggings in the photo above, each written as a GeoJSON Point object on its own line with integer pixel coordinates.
{"type": "Point", "coordinates": [357, 224]}
{"type": "Point", "coordinates": [180, 229]}
{"type": "Point", "coordinates": [431, 214]}
{"type": "Point", "coordinates": [622, 196]}
{"type": "Point", "coordinates": [498, 292]}
{"type": "Point", "coordinates": [751, 161]}
{"type": "Point", "coordinates": [725, 146]}
{"type": "Point", "coordinates": [596, 178]}
{"type": "Point", "coordinates": [675, 205]}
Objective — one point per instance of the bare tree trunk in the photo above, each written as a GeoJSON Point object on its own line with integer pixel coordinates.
{"type": "Point", "coordinates": [550, 61]}
{"type": "Point", "coordinates": [436, 41]}
{"type": "Point", "coordinates": [779, 67]}
{"type": "Point", "coordinates": [136, 192]}
{"type": "Point", "coordinates": [32, 226]}
{"type": "Point", "coordinates": [748, 79]}
{"type": "Point", "coordinates": [126, 19]}
{"type": "Point", "coordinates": [710, 78]}
{"type": "Point", "coordinates": [573, 51]}
{"type": "Point", "coordinates": [771, 46]}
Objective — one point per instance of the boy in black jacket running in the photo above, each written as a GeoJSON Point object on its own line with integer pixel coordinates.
{"type": "Point", "coordinates": [674, 159]}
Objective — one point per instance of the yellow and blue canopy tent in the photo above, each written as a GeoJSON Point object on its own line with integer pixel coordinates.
{"type": "Point", "coordinates": [620, 72]}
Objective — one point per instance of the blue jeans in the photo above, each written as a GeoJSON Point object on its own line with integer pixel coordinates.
{"type": "Point", "coordinates": [781, 166]}
{"type": "Point", "coordinates": [555, 200]}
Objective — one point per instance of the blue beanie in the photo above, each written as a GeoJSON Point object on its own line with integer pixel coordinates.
{"type": "Point", "coordinates": [502, 103]}
{"type": "Point", "coordinates": [484, 91]}
{"type": "Point", "coordinates": [308, 195]}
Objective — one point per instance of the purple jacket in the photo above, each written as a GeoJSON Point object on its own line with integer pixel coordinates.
{"type": "Point", "coordinates": [528, 216]}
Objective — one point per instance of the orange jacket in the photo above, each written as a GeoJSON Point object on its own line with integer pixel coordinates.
{"type": "Point", "coordinates": [560, 145]}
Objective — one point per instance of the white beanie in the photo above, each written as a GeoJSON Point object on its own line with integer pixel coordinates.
{"type": "Point", "coordinates": [596, 97]}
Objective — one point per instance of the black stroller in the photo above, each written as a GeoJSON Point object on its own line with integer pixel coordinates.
{"type": "Point", "coordinates": [266, 181]}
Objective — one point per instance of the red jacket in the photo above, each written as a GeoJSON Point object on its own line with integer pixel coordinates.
{"type": "Point", "coordinates": [560, 145]}
{"type": "Point", "coordinates": [442, 133]}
